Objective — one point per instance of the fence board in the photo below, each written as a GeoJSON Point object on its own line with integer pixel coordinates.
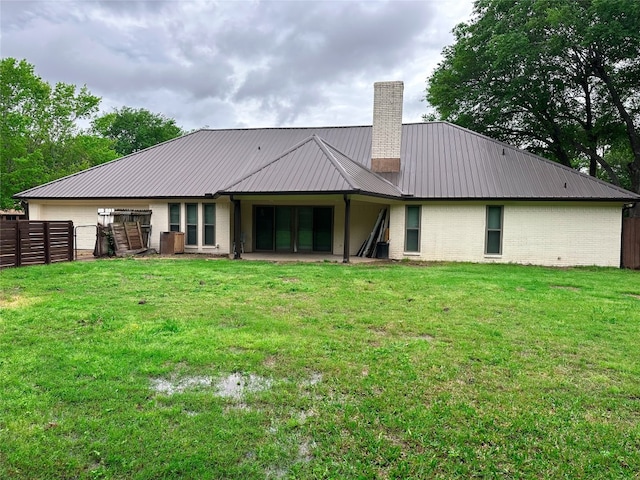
{"type": "Point", "coordinates": [33, 242]}
{"type": "Point", "coordinates": [631, 243]}
{"type": "Point", "coordinates": [127, 238]}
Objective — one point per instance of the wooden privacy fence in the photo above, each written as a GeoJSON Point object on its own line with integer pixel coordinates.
{"type": "Point", "coordinates": [33, 242]}
{"type": "Point", "coordinates": [631, 243]}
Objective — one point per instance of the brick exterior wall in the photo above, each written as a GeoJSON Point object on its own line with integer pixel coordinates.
{"type": "Point", "coordinates": [563, 236]}
{"type": "Point", "coordinates": [541, 234]}
{"type": "Point", "coordinates": [86, 213]}
{"type": "Point", "coordinates": [224, 210]}
{"type": "Point", "coordinates": [387, 126]}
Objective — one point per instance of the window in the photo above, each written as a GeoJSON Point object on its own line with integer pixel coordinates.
{"type": "Point", "coordinates": [493, 244]}
{"type": "Point", "coordinates": [209, 224]}
{"type": "Point", "coordinates": [412, 234]}
{"type": "Point", "coordinates": [192, 224]}
{"type": "Point", "coordinates": [174, 217]}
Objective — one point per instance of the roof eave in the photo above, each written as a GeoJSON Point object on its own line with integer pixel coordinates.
{"type": "Point", "coordinates": [526, 199]}
{"type": "Point", "coordinates": [355, 191]}
{"type": "Point", "coordinates": [286, 192]}
{"type": "Point", "coordinates": [127, 197]}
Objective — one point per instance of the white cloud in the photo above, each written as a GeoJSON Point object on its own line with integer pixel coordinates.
{"type": "Point", "coordinates": [236, 64]}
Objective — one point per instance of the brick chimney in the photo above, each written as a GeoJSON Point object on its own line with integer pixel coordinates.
{"type": "Point", "coordinates": [387, 126]}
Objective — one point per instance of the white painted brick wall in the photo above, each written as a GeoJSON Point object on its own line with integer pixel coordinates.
{"type": "Point", "coordinates": [536, 233]}
{"type": "Point", "coordinates": [447, 233]}
{"type": "Point", "coordinates": [542, 234]}
{"type": "Point", "coordinates": [223, 225]}
{"type": "Point", "coordinates": [562, 235]}
{"type": "Point", "coordinates": [396, 231]}
{"type": "Point", "coordinates": [159, 221]}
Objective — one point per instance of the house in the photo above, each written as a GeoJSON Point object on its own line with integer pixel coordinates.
{"type": "Point", "coordinates": [446, 193]}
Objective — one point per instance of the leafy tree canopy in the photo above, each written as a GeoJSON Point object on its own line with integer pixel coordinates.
{"type": "Point", "coordinates": [559, 78]}
{"type": "Point", "coordinates": [135, 129]}
{"type": "Point", "coordinates": [40, 136]}
{"type": "Point", "coordinates": [39, 130]}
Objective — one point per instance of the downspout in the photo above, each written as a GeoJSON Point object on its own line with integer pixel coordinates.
{"type": "Point", "coordinates": [347, 228]}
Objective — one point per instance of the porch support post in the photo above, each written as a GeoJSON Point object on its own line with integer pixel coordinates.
{"type": "Point", "coordinates": [347, 228]}
{"type": "Point", "coordinates": [237, 229]}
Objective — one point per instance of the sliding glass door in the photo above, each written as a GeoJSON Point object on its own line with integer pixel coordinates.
{"type": "Point", "coordinates": [283, 229]}
{"type": "Point", "coordinates": [264, 228]}
{"type": "Point", "coordinates": [305, 229]}
{"type": "Point", "coordinates": [322, 222]}
{"type": "Point", "coordinates": [293, 229]}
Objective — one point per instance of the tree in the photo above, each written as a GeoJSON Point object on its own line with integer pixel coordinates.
{"type": "Point", "coordinates": [39, 134]}
{"type": "Point", "coordinates": [559, 78]}
{"type": "Point", "coordinates": [132, 130]}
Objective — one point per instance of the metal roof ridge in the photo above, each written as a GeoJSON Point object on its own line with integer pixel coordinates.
{"type": "Point", "coordinates": [321, 127]}
{"type": "Point", "coordinates": [269, 163]}
{"type": "Point", "coordinates": [326, 144]}
{"type": "Point", "coordinates": [343, 173]}
{"type": "Point", "coordinates": [249, 129]}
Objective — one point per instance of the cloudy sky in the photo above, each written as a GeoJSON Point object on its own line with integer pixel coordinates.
{"type": "Point", "coordinates": [229, 64]}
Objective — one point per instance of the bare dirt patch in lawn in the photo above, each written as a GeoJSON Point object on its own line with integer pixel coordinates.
{"type": "Point", "coordinates": [270, 361]}
{"type": "Point", "coordinates": [13, 299]}
{"type": "Point", "coordinates": [290, 280]}
{"type": "Point", "coordinates": [425, 337]}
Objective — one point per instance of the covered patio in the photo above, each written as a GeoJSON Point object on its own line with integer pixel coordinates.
{"type": "Point", "coordinates": [301, 202]}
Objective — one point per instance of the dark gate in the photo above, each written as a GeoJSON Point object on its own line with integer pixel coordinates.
{"type": "Point", "coordinates": [33, 242]}
{"type": "Point", "coordinates": [631, 243]}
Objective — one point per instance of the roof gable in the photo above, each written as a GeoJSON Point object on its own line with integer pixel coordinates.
{"type": "Point", "coordinates": [313, 166]}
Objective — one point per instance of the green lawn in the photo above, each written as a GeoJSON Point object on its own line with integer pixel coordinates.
{"type": "Point", "coordinates": [200, 369]}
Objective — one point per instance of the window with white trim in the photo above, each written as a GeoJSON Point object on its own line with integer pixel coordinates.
{"type": "Point", "coordinates": [412, 228]}
{"type": "Point", "coordinates": [192, 224]}
{"type": "Point", "coordinates": [209, 224]}
{"type": "Point", "coordinates": [493, 242]}
{"type": "Point", "coordinates": [174, 217]}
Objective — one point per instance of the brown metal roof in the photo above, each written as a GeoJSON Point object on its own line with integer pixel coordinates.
{"type": "Point", "coordinates": [439, 161]}
{"type": "Point", "coordinates": [313, 166]}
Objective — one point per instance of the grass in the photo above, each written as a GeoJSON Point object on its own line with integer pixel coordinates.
{"type": "Point", "coordinates": [220, 369]}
